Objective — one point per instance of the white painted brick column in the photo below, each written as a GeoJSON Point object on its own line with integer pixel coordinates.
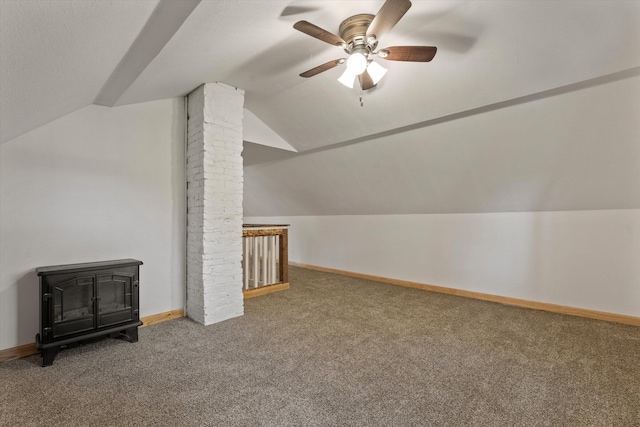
{"type": "Point", "coordinates": [214, 203]}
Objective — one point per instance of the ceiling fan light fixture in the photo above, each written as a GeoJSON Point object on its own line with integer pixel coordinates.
{"type": "Point", "coordinates": [347, 78]}
{"type": "Point", "coordinates": [357, 63]}
{"type": "Point", "coordinates": [358, 37]}
{"type": "Point", "coordinates": [376, 71]}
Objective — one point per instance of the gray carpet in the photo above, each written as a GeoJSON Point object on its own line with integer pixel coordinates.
{"type": "Point", "coordinates": [338, 351]}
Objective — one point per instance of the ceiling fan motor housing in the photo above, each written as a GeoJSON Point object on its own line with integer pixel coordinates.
{"type": "Point", "coordinates": [353, 31]}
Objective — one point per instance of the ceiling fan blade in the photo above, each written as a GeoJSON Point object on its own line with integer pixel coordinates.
{"type": "Point", "coordinates": [317, 32]}
{"type": "Point", "coordinates": [296, 10]}
{"type": "Point", "coordinates": [408, 53]}
{"type": "Point", "coordinates": [320, 68]}
{"type": "Point", "coordinates": [366, 82]}
{"type": "Point", "coordinates": [388, 16]}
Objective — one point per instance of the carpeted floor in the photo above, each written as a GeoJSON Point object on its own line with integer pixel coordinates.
{"type": "Point", "coordinates": [338, 351]}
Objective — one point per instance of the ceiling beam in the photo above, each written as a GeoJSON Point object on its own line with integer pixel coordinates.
{"type": "Point", "coordinates": [164, 22]}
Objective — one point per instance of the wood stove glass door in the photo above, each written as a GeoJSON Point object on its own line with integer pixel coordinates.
{"type": "Point", "coordinates": [115, 298]}
{"type": "Point", "coordinates": [72, 305]}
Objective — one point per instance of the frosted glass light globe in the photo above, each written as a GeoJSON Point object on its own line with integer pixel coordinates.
{"type": "Point", "coordinates": [357, 63]}
{"type": "Point", "coordinates": [376, 71]}
{"type": "Point", "coordinates": [347, 78]}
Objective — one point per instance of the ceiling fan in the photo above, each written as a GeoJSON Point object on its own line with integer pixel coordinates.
{"type": "Point", "coordinates": [359, 36]}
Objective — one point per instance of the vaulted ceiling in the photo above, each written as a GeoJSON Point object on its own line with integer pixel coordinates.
{"type": "Point", "coordinates": [527, 106]}
{"type": "Point", "coordinates": [59, 56]}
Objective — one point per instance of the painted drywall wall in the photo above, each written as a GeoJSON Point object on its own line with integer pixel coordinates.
{"type": "Point", "coordinates": [586, 259]}
{"type": "Point", "coordinates": [98, 184]}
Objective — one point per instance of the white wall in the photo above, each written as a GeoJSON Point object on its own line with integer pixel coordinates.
{"type": "Point", "coordinates": [98, 184]}
{"type": "Point", "coordinates": [586, 259]}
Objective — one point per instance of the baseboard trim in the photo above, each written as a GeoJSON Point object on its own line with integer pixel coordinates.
{"type": "Point", "coordinates": [162, 317]}
{"type": "Point", "coordinates": [18, 352]}
{"type": "Point", "coordinates": [30, 349]}
{"type": "Point", "coordinates": [251, 293]}
{"type": "Point", "coordinates": [554, 308]}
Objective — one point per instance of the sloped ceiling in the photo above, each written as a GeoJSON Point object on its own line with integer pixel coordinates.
{"type": "Point", "coordinates": [575, 148]}
{"type": "Point", "coordinates": [59, 56]}
{"type": "Point", "coordinates": [55, 56]}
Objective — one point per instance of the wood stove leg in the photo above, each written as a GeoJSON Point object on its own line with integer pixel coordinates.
{"type": "Point", "coordinates": [48, 355]}
{"type": "Point", "coordinates": [130, 334]}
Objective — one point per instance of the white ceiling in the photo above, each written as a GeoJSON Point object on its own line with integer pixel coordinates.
{"type": "Point", "coordinates": [575, 148]}
{"type": "Point", "coordinates": [55, 56]}
{"type": "Point", "coordinates": [59, 56]}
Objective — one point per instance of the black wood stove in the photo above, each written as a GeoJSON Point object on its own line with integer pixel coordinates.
{"type": "Point", "coordinates": [84, 301]}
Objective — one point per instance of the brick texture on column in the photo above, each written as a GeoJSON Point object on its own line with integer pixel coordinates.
{"type": "Point", "coordinates": [214, 203]}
